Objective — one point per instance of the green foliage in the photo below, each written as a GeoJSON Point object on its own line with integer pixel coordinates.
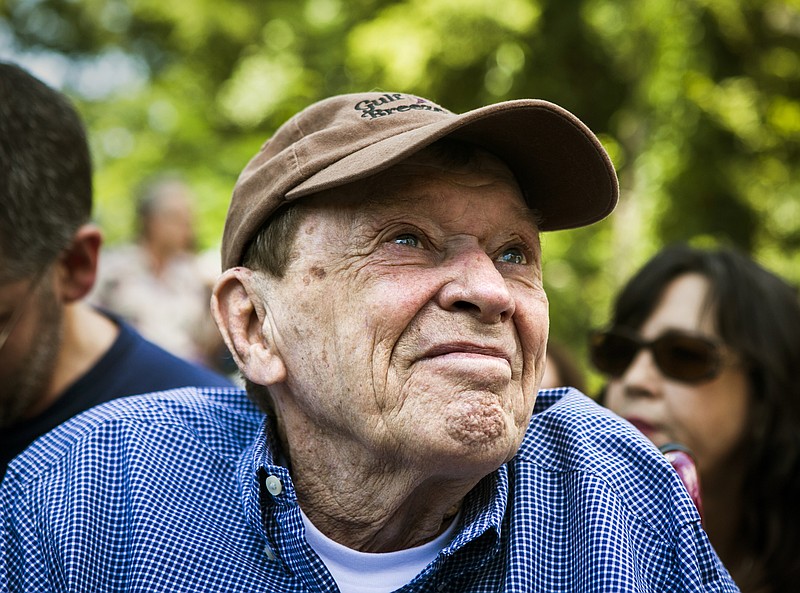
{"type": "Point", "coordinates": [698, 102]}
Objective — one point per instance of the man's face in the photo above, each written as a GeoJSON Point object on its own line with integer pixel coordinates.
{"type": "Point", "coordinates": [28, 357]}
{"type": "Point", "coordinates": [412, 318]}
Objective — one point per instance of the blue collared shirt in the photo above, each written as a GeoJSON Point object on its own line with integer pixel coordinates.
{"type": "Point", "coordinates": [181, 491]}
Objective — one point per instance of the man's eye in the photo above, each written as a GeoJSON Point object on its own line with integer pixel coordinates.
{"type": "Point", "coordinates": [513, 256]}
{"type": "Point", "coordinates": [408, 240]}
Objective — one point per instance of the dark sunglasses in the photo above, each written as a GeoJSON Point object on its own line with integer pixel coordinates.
{"type": "Point", "coordinates": [681, 356]}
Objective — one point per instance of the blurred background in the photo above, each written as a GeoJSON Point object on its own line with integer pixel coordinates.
{"type": "Point", "coordinates": [697, 101]}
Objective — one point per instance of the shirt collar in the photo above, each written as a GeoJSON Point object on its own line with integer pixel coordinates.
{"type": "Point", "coordinates": [484, 509]}
{"type": "Point", "coordinates": [257, 462]}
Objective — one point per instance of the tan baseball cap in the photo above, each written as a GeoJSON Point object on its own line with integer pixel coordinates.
{"type": "Point", "coordinates": [558, 162]}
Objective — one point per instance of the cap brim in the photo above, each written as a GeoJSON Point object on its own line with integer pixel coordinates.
{"type": "Point", "coordinates": [561, 167]}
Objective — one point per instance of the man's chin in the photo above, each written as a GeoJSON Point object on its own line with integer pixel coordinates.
{"type": "Point", "coordinates": [484, 437]}
{"type": "Point", "coordinates": [26, 388]}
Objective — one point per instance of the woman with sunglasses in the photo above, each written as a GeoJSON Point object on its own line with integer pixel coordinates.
{"type": "Point", "coordinates": [703, 350]}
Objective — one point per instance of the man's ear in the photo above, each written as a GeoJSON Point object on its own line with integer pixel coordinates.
{"type": "Point", "coordinates": [238, 307]}
{"type": "Point", "coordinates": [77, 264]}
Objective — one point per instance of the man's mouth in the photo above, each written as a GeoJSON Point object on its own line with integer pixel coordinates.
{"type": "Point", "coordinates": [467, 350]}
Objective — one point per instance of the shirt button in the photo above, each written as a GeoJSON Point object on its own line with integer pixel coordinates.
{"type": "Point", "coordinates": [270, 554]}
{"type": "Point", "coordinates": [273, 484]}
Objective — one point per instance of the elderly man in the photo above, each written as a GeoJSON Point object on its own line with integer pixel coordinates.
{"type": "Point", "coordinates": [383, 298]}
{"type": "Point", "coordinates": [58, 355]}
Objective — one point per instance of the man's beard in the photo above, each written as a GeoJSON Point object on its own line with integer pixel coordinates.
{"type": "Point", "coordinates": [27, 384]}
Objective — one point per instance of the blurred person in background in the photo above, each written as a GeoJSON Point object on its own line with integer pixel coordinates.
{"type": "Point", "coordinates": [58, 355]}
{"type": "Point", "coordinates": [158, 284]}
{"type": "Point", "coordinates": [562, 368]}
{"type": "Point", "coordinates": [703, 350]}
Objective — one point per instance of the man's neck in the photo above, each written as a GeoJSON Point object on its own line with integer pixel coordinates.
{"type": "Point", "coordinates": [372, 508]}
{"type": "Point", "coordinates": [87, 336]}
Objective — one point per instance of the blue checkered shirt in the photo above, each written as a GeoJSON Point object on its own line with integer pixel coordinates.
{"type": "Point", "coordinates": [169, 492]}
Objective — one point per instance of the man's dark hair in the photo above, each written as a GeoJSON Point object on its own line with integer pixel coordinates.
{"type": "Point", "coordinates": [45, 173]}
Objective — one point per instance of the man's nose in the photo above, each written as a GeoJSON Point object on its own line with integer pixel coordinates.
{"type": "Point", "coordinates": [477, 287]}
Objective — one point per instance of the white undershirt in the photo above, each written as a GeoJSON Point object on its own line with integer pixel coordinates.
{"type": "Point", "coordinates": [363, 572]}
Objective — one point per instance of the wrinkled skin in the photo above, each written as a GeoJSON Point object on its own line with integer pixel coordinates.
{"type": "Point", "coordinates": [403, 347]}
